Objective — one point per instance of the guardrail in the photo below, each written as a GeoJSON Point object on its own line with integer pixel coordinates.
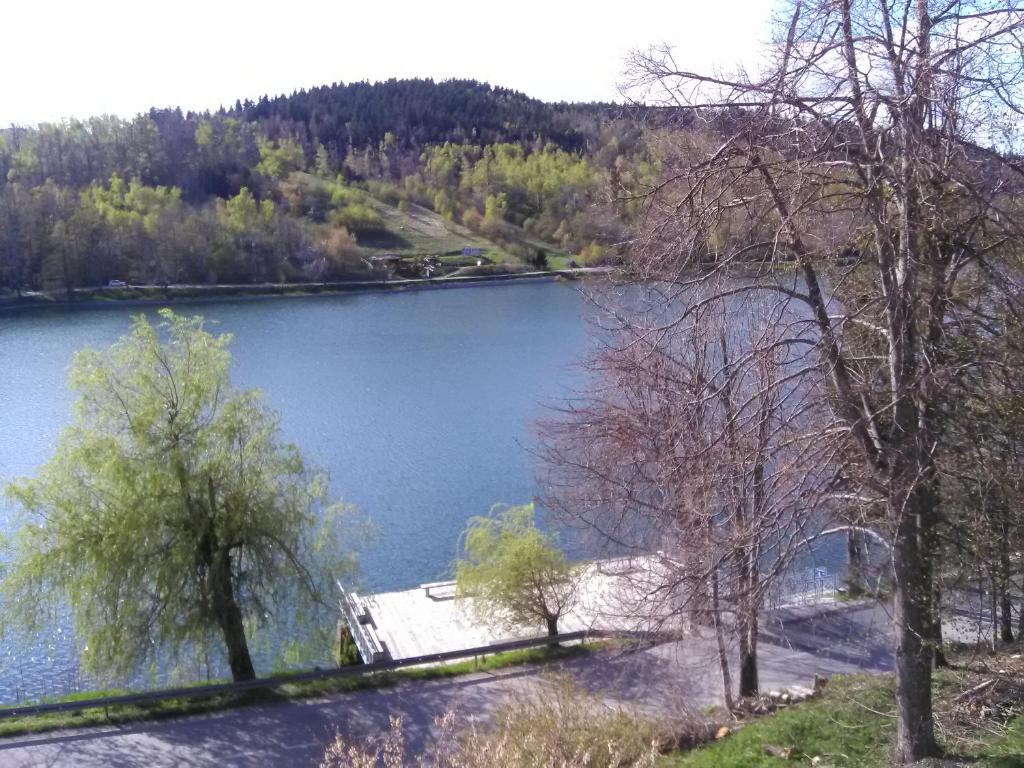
{"type": "Point", "coordinates": [801, 591]}
{"type": "Point", "coordinates": [207, 691]}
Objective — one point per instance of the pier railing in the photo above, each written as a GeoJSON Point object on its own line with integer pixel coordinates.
{"type": "Point", "coordinates": [360, 625]}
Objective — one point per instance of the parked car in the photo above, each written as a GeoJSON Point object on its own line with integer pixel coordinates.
{"type": "Point", "coordinates": [117, 284]}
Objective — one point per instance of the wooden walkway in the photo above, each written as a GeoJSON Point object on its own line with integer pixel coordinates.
{"type": "Point", "coordinates": [428, 619]}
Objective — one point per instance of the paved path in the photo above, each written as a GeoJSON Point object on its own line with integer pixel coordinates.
{"type": "Point", "coordinates": [667, 679]}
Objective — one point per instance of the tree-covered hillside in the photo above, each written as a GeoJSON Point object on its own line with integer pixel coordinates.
{"type": "Point", "coordinates": [310, 186]}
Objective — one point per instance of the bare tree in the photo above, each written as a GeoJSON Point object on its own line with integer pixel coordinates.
{"type": "Point", "coordinates": [872, 154]}
{"type": "Point", "coordinates": [981, 463]}
{"type": "Point", "coordinates": [696, 446]}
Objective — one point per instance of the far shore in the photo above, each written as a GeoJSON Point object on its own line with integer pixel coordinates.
{"type": "Point", "coordinates": [147, 295]}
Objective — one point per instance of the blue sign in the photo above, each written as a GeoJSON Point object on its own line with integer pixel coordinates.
{"type": "Point", "coordinates": [820, 573]}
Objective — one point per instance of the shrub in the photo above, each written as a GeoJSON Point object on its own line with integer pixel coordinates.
{"type": "Point", "coordinates": [359, 219]}
{"type": "Point", "coordinates": [472, 219]}
{"type": "Point", "coordinates": [591, 255]}
{"type": "Point", "coordinates": [565, 727]}
{"type": "Point", "coordinates": [386, 193]}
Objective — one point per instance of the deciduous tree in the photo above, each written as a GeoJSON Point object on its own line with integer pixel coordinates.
{"type": "Point", "coordinates": [171, 512]}
{"type": "Point", "coordinates": [693, 448]}
{"type": "Point", "coordinates": [514, 573]}
{"type": "Point", "coordinates": [870, 145]}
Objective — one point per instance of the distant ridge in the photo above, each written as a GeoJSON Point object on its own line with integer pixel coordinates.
{"type": "Point", "coordinates": [421, 111]}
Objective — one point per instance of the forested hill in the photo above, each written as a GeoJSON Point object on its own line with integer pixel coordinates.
{"type": "Point", "coordinates": [324, 184]}
{"type": "Point", "coordinates": [420, 111]}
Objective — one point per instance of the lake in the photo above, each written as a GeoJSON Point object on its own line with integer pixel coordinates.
{"type": "Point", "coordinates": [420, 404]}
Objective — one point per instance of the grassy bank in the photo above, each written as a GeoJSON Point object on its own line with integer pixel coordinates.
{"type": "Point", "coordinates": [121, 714]}
{"type": "Point", "coordinates": [853, 722]}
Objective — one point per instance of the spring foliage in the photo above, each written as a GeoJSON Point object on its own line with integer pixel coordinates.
{"type": "Point", "coordinates": [171, 512]}
{"type": "Point", "coordinates": [514, 572]}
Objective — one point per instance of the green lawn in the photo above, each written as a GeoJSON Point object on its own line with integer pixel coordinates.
{"type": "Point", "coordinates": [421, 232]}
{"type": "Point", "coordinates": [852, 724]}
{"type": "Point", "coordinates": [843, 727]}
{"type": "Point", "coordinates": [558, 262]}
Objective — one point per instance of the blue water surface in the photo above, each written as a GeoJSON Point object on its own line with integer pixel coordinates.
{"type": "Point", "coordinates": [420, 404]}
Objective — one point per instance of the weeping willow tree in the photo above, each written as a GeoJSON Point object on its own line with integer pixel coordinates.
{"type": "Point", "coordinates": [514, 572]}
{"type": "Point", "coordinates": [171, 513]}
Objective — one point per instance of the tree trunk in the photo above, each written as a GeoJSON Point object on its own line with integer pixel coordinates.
{"type": "Point", "coordinates": [748, 658]}
{"type": "Point", "coordinates": [939, 659]}
{"type": "Point", "coordinates": [1020, 613]}
{"type": "Point", "coordinates": [746, 621]}
{"type": "Point", "coordinates": [1006, 617]}
{"type": "Point", "coordinates": [229, 618]}
{"type": "Point", "coordinates": [723, 653]}
{"type": "Point", "coordinates": [855, 563]}
{"type": "Point", "coordinates": [552, 622]}
{"type": "Point", "coordinates": [913, 625]}
{"type": "Point", "coordinates": [993, 609]}
{"type": "Point", "coordinates": [1005, 583]}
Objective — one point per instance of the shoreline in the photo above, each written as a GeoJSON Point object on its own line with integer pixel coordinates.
{"type": "Point", "coordinates": [189, 294]}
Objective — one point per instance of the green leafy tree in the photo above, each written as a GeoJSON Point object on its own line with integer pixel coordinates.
{"type": "Point", "coordinates": [359, 218]}
{"type": "Point", "coordinates": [277, 161]}
{"type": "Point", "coordinates": [322, 162]}
{"type": "Point", "coordinates": [171, 513]}
{"type": "Point", "coordinates": [495, 207]}
{"type": "Point", "coordinates": [515, 573]}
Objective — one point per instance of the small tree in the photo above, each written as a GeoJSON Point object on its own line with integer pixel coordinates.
{"type": "Point", "coordinates": [170, 512]}
{"type": "Point", "coordinates": [514, 572]}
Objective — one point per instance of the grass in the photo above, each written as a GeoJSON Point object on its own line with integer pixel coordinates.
{"type": "Point", "coordinates": [418, 232]}
{"type": "Point", "coordinates": [496, 661]}
{"type": "Point", "coordinates": [842, 726]}
{"type": "Point", "coordinates": [853, 724]}
{"type": "Point", "coordinates": [492, 269]}
{"type": "Point", "coordinates": [558, 262]}
{"type": "Point", "coordinates": [114, 715]}
{"type": "Point", "coordinates": [421, 232]}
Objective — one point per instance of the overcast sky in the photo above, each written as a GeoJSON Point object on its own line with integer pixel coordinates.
{"type": "Point", "coordinates": [64, 58]}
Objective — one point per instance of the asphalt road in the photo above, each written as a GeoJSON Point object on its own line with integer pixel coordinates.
{"type": "Point", "coordinates": [668, 679]}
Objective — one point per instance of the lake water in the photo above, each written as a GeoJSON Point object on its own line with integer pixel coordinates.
{"type": "Point", "coordinates": [420, 405]}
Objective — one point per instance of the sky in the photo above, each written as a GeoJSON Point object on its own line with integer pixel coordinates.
{"type": "Point", "coordinates": [76, 58]}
